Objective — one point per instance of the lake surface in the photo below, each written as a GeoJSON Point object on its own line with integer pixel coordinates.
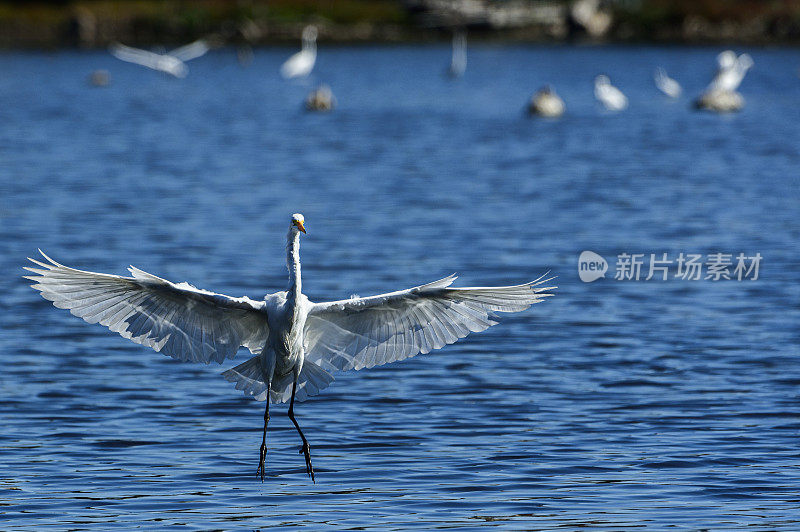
{"type": "Point", "coordinates": [614, 404]}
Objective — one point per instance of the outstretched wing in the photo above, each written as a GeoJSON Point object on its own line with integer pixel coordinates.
{"type": "Point", "coordinates": [178, 320]}
{"type": "Point", "coordinates": [135, 55]}
{"type": "Point", "coordinates": [191, 50]}
{"type": "Point", "coordinates": [370, 331]}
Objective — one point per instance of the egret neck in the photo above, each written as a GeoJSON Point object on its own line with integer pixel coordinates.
{"type": "Point", "coordinates": [293, 262]}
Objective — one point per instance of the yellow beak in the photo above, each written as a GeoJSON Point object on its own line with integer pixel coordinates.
{"type": "Point", "coordinates": [299, 225]}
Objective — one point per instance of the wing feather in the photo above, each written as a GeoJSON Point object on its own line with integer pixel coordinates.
{"type": "Point", "coordinates": [370, 331]}
{"type": "Point", "coordinates": [177, 319]}
{"type": "Point", "coordinates": [191, 50]}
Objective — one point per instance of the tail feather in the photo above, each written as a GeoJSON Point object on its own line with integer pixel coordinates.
{"type": "Point", "coordinates": [249, 377]}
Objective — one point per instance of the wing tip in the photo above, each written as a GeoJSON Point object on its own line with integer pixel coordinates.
{"type": "Point", "coordinates": [47, 267]}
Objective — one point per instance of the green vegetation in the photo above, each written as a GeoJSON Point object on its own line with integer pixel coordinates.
{"type": "Point", "coordinates": [95, 23]}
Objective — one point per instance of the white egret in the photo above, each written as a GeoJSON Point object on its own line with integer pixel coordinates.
{"type": "Point", "coordinates": [296, 343]}
{"type": "Point", "coordinates": [458, 61]}
{"type": "Point", "coordinates": [301, 64]}
{"type": "Point", "coordinates": [666, 84]}
{"type": "Point", "coordinates": [173, 63]}
{"type": "Point", "coordinates": [546, 102]}
{"type": "Point", "coordinates": [610, 96]}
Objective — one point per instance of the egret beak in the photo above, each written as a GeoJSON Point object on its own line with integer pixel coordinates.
{"type": "Point", "coordinates": [299, 225]}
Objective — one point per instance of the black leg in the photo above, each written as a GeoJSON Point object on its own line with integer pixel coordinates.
{"type": "Point", "coordinates": [305, 449]}
{"type": "Point", "coordinates": [261, 469]}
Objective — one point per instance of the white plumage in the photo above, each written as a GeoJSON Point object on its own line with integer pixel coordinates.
{"type": "Point", "coordinates": [458, 60]}
{"type": "Point", "coordinates": [297, 343]}
{"type": "Point", "coordinates": [173, 63]}
{"type": "Point", "coordinates": [666, 84]}
{"type": "Point", "coordinates": [721, 95]}
{"type": "Point", "coordinates": [301, 64]}
{"type": "Point", "coordinates": [546, 102]}
{"type": "Point", "coordinates": [607, 94]}
{"type": "Point", "coordinates": [730, 71]}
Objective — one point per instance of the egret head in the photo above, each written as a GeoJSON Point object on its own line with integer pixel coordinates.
{"type": "Point", "coordinates": [726, 59]}
{"type": "Point", "coordinates": [297, 222]}
{"type": "Point", "coordinates": [310, 33]}
{"type": "Point", "coordinates": [602, 79]}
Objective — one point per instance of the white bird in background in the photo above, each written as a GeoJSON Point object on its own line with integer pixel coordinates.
{"type": "Point", "coordinates": [666, 84]}
{"type": "Point", "coordinates": [610, 96]}
{"type": "Point", "coordinates": [730, 72]}
{"type": "Point", "coordinates": [546, 102]}
{"type": "Point", "coordinates": [458, 61]}
{"type": "Point", "coordinates": [720, 95]}
{"type": "Point", "coordinates": [296, 343]}
{"type": "Point", "coordinates": [302, 63]}
{"type": "Point", "coordinates": [321, 99]}
{"type": "Point", "coordinates": [173, 63]}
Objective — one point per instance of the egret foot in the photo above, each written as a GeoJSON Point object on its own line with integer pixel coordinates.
{"type": "Point", "coordinates": [306, 450]}
{"type": "Point", "coordinates": [262, 457]}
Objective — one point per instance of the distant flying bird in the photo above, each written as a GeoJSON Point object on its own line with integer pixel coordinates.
{"type": "Point", "coordinates": [296, 343]}
{"type": "Point", "coordinates": [610, 96]}
{"type": "Point", "coordinates": [301, 64]}
{"type": "Point", "coordinates": [666, 84]}
{"type": "Point", "coordinates": [546, 103]}
{"type": "Point", "coordinates": [458, 61]}
{"type": "Point", "coordinates": [173, 63]}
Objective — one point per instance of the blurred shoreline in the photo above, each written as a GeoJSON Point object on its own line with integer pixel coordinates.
{"type": "Point", "coordinates": [97, 23]}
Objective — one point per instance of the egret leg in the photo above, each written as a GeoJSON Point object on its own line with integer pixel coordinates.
{"type": "Point", "coordinates": [305, 449]}
{"type": "Point", "coordinates": [261, 469]}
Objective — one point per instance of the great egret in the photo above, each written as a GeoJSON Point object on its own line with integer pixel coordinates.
{"type": "Point", "coordinates": [173, 63]}
{"type": "Point", "coordinates": [610, 96]}
{"type": "Point", "coordinates": [546, 103]}
{"type": "Point", "coordinates": [296, 343]}
{"type": "Point", "coordinates": [666, 84]}
{"type": "Point", "coordinates": [302, 63]}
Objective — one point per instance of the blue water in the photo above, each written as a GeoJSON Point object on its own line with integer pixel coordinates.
{"type": "Point", "coordinates": [614, 404]}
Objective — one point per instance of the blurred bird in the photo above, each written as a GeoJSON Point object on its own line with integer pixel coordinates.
{"type": "Point", "coordinates": [730, 72]}
{"type": "Point", "coordinates": [173, 63]}
{"type": "Point", "coordinates": [321, 99]}
{"type": "Point", "coordinates": [99, 78]}
{"type": "Point", "coordinates": [458, 61]}
{"type": "Point", "coordinates": [296, 342]}
{"type": "Point", "coordinates": [666, 84]}
{"type": "Point", "coordinates": [546, 103]}
{"type": "Point", "coordinates": [720, 101]}
{"type": "Point", "coordinates": [302, 63]}
{"type": "Point", "coordinates": [610, 96]}
{"type": "Point", "coordinates": [720, 96]}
